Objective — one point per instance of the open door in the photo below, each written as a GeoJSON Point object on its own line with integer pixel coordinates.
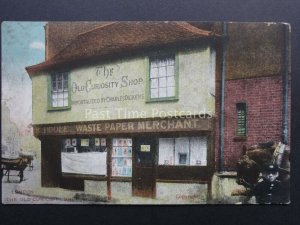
{"type": "Point", "coordinates": [143, 181]}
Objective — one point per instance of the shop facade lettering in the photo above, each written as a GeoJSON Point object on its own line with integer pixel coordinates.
{"type": "Point", "coordinates": [193, 124]}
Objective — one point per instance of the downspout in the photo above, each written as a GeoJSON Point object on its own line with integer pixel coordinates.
{"type": "Point", "coordinates": [285, 83]}
{"type": "Point", "coordinates": [222, 105]}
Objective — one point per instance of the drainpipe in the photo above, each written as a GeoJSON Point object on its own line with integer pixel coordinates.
{"type": "Point", "coordinates": [285, 83]}
{"type": "Point", "coordinates": [222, 109]}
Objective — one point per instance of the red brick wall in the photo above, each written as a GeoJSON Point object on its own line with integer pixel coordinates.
{"type": "Point", "coordinates": [264, 100]}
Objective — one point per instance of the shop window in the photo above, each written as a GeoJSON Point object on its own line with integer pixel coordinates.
{"type": "Point", "coordinates": [190, 151]}
{"type": "Point", "coordinates": [241, 119]}
{"type": "Point", "coordinates": [59, 95]}
{"type": "Point", "coordinates": [163, 79]}
{"type": "Point", "coordinates": [122, 157]}
{"type": "Point", "coordinates": [84, 156]}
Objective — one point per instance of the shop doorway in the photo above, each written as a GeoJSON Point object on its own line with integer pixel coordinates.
{"type": "Point", "coordinates": [143, 179]}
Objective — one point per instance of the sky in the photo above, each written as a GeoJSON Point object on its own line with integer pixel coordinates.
{"type": "Point", "coordinates": [23, 44]}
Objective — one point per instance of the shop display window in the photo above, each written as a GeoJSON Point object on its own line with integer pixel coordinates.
{"type": "Point", "coordinates": [84, 156]}
{"type": "Point", "coordinates": [189, 151]}
{"type": "Point", "coordinates": [122, 157]}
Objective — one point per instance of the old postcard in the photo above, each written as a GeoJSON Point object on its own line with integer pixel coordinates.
{"type": "Point", "coordinates": [144, 112]}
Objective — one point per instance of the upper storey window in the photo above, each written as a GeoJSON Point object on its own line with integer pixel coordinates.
{"type": "Point", "coordinates": [241, 119]}
{"type": "Point", "coordinates": [59, 91]}
{"type": "Point", "coordinates": [163, 78]}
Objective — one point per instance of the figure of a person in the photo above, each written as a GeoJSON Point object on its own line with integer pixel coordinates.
{"type": "Point", "coordinates": [270, 190]}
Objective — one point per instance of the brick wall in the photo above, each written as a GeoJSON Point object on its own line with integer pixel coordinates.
{"type": "Point", "coordinates": [264, 100]}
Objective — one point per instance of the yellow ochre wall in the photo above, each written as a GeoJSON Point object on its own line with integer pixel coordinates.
{"type": "Point", "coordinates": [195, 93]}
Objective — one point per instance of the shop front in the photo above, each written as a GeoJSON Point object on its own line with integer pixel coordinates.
{"type": "Point", "coordinates": [130, 157]}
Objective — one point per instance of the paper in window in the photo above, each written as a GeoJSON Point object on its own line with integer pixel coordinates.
{"type": "Point", "coordinates": [97, 141]}
{"type": "Point", "coordinates": [198, 149]}
{"type": "Point", "coordinates": [115, 142]}
{"type": "Point", "coordinates": [68, 142]}
{"type": "Point", "coordinates": [84, 142]}
{"type": "Point", "coordinates": [103, 142]}
{"type": "Point", "coordinates": [129, 141]}
{"type": "Point", "coordinates": [74, 142]}
{"type": "Point", "coordinates": [166, 151]}
{"type": "Point", "coordinates": [181, 148]}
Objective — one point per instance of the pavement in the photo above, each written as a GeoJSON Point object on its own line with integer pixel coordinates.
{"type": "Point", "coordinates": [30, 191]}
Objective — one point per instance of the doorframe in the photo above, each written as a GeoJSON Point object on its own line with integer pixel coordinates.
{"type": "Point", "coordinates": [154, 160]}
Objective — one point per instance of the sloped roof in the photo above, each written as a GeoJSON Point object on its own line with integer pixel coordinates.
{"type": "Point", "coordinates": [118, 37]}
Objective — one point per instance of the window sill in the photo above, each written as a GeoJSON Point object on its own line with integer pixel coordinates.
{"type": "Point", "coordinates": [172, 99]}
{"type": "Point", "coordinates": [240, 138]}
{"type": "Point", "coordinates": [59, 109]}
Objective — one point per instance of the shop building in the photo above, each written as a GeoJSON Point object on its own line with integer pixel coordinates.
{"type": "Point", "coordinates": [134, 108]}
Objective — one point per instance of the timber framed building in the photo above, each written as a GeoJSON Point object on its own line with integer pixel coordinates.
{"type": "Point", "coordinates": [154, 109]}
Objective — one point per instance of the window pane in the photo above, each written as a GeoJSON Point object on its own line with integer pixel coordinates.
{"type": "Point", "coordinates": [171, 81]}
{"type": "Point", "coordinates": [154, 63]}
{"type": "Point", "coordinates": [170, 61]}
{"type": "Point", "coordinates": [65, 76]}
{"type": "Point", "coordinates": [54, 103]}
{"type": "Point", "coordinates": [170, 91]}
{"type": "Point", "coordinates": [66, 95]}
{"type": "Point", "coordinates": [170, 71]}
{"type": "Point", "coordinates": [54, 85]}
{"type": "Point", "coordinates": [154, 72]}
{"type": "Point", "coordinates": [241, 119]}
{"type": "Point", "coordinates": [54, 96]}
{"type": "Point", "coordinates": [159, 63]}
{"type": "Point", "coordinates": [154, 93]}
{"type": "Point", "coordinates": [60, 102]}
{"type": "Point", "coordinates": [166, 151]}
{"type": "Point", "coordinates": [162, 82]}
{"type": "Point", "coordinates": [162, 71]}
{"type": "Point", "coordinates": [59, 85]}
{"type": "Point", "coordinates": [65, 102]}
{"type": "Point", "coordinates": [162, 92]}
{"type": "Point", "coordinates": [198, 148]}
{"type": "Point", "coordinates": [154, 83]}
{"type": "Point", "coordinates": [181, 148]}
{"type": "Point", "coordinates": [60, 95]}
{"type": "Point", "coordinates": [65, 85]}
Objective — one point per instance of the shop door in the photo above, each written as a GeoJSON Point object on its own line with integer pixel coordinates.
{"type": "Point", "coordinates": [143, 181]}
